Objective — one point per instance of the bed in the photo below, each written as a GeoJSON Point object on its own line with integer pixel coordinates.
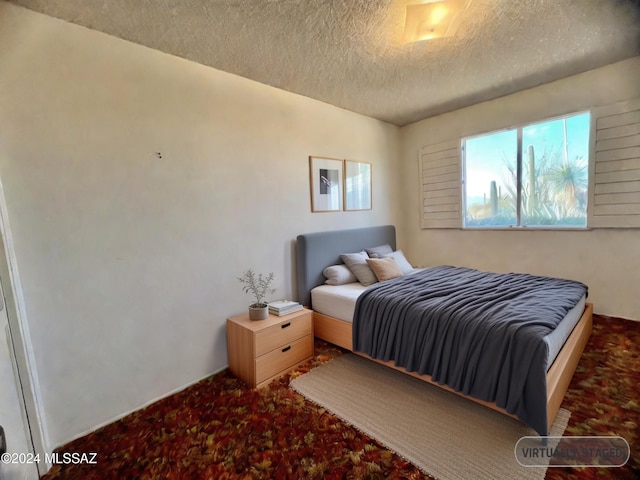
{"type": "Point", "coordinates": [316, 251]}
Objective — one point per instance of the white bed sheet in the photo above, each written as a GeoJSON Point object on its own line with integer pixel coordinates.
{"type": "Point", "coordinates": [559, 335]}
{"type": "Point", "coordinates": [339, 301]}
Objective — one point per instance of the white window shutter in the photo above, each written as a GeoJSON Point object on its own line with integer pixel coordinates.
{"type": "Point", "coordinates": [614, 190]}
{"type": "Point", "coordinates": [441, 179]}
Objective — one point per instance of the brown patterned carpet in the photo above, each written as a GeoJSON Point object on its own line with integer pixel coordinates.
{"type": "Point", "coordinates": [220, 429]}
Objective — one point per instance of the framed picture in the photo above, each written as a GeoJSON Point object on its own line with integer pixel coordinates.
{"type": "Point", "coordinates": [326, 184]}
{"type": "Point", "coordinates": [357, 185]}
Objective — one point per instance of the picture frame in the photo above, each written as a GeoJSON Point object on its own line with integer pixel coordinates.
{"type": "Point", "coordinates": [326, 180]}
{"type": "Point", "coordinates": [357, 185]}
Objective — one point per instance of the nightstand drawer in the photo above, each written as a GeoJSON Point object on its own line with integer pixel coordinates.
{"type": "Point", "coordinates": [283, 358]}
{"type": "Point", "coordinates": [283, 333]}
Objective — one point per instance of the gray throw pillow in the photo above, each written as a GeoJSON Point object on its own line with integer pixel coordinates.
{"type": "Point", "coordinates": [357, 263]}
{"type": "Point", "coordinates": [401, 260]}
{"type": "Point", "coordinates": [379, 252]}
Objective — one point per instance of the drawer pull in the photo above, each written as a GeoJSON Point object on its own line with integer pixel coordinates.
{"type": "Point", "coordinates": [285, 325]}
{"type": "Point", "coordinates": [286, 349]}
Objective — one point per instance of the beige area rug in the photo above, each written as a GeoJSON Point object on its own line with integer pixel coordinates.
{"type": "Point", "coordinates": [446, 436]}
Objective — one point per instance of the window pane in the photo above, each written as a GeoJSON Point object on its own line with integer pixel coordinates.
{"type": "Point", "coordinates": [554, 156]}
{"type": "Point", "coordinates": [555, 172]}
{"type": "Point", "coordinates": [490, 187]}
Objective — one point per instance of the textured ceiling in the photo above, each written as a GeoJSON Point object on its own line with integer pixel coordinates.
{"type": "Point", "coordinates": [348, 52]}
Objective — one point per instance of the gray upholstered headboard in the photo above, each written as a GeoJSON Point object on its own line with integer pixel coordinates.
{"type": "Point", "coordinates": [316, 251]}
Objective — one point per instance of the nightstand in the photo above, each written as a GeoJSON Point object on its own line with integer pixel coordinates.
{"type": "Point", "coordinates": [262, 350]}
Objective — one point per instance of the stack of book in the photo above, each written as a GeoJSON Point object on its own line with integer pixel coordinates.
{"type": "Point", "coordinates": [283, 307]}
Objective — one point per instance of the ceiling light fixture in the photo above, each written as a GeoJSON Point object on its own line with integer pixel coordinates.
{"type": "Point", "coordinates": [429, 19]}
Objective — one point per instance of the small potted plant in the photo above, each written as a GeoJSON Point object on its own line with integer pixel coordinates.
{"type": "Point", "coordinates": [259, 286]}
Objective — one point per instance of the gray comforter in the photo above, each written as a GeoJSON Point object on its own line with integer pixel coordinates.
{"type": "Point", "coordinates": [480, 333]}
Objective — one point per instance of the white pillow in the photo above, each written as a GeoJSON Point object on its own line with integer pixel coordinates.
{"type": "Point", "coordinates": [338, 275]}
{"type": "Point", "coordinates": [401, 260]}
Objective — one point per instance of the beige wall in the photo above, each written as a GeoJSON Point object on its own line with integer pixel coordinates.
{"type": "Point", "coordinates": [606, 260]}
{"type": "Point", "coordinates": [128, 258]}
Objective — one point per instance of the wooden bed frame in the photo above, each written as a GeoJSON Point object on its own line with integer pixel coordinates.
{"type": "Point", "coordinates": [318, 250]}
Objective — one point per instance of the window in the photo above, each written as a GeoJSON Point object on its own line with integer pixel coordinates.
{"type": "Point", "coordinates": [582, 158]}
{"type": "Point", "coordinates": [531, 176]}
